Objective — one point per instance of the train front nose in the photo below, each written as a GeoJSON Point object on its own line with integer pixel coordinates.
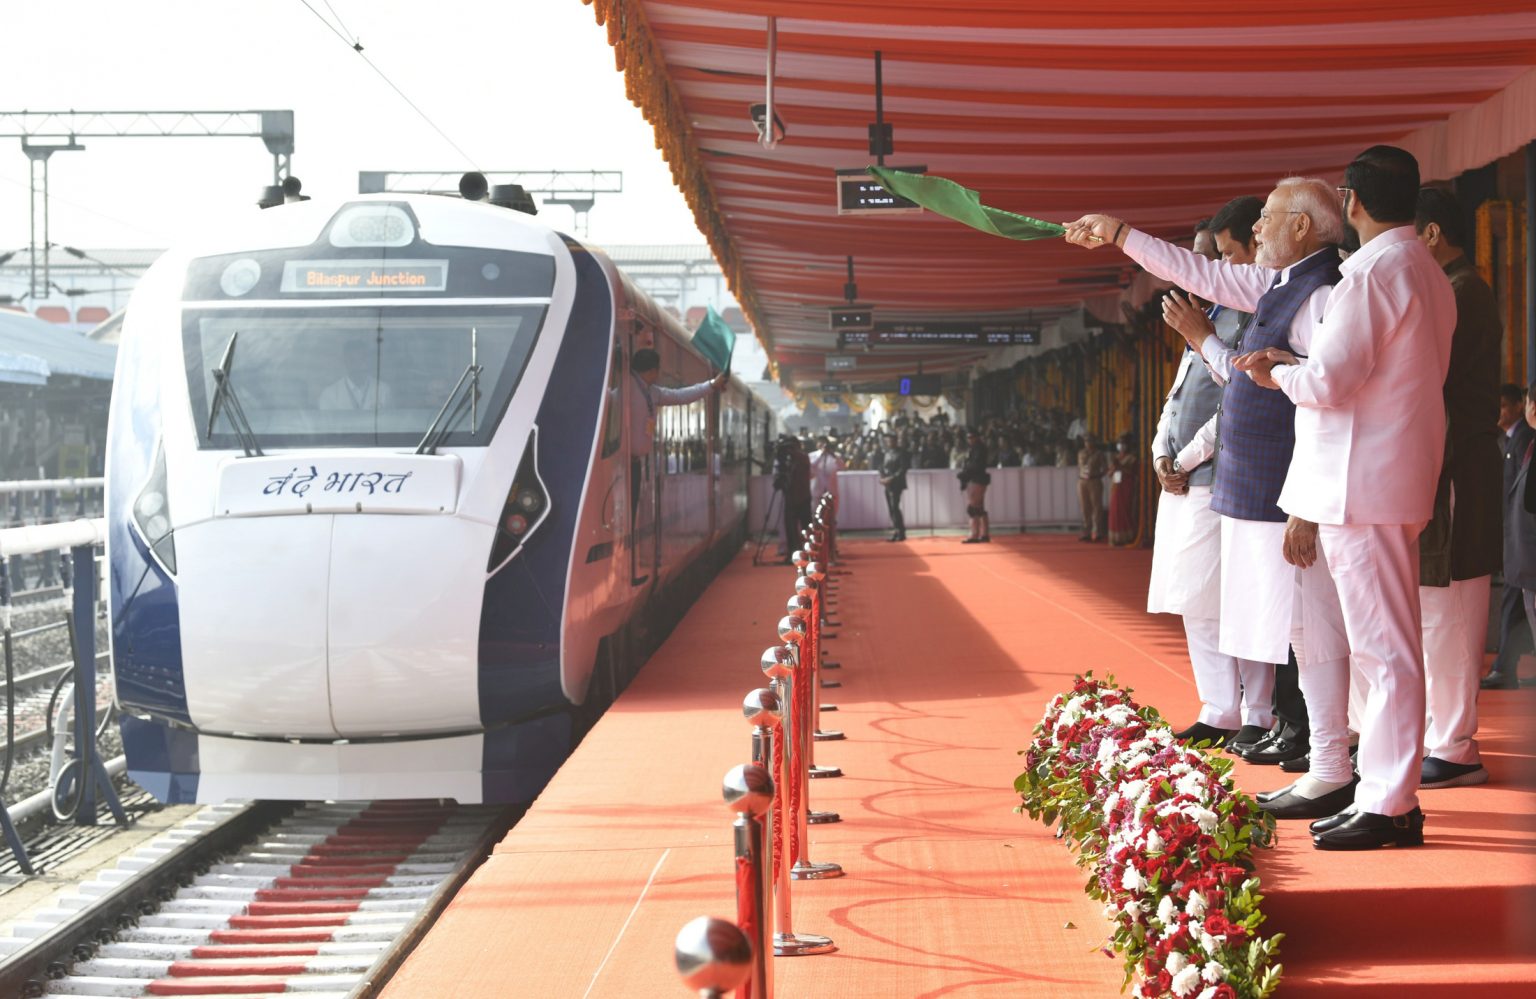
{"type": "Point", "coordinates": [321, 616]}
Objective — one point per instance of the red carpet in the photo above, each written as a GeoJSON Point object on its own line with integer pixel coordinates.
{"type": "Point", "coordinates": [950, 653]}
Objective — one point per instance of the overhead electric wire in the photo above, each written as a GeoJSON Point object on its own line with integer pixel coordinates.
{"type": "Point", "coordinates": [357, 46]}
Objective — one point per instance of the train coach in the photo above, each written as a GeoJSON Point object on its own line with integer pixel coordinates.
{"type": "Point", "coordinates": [370, 524]}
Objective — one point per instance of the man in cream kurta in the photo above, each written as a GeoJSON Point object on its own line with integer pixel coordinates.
{"type": "Point", "coordinates": [1235, 694]}
{"type": "Point", "coordinates": [1370, 438]}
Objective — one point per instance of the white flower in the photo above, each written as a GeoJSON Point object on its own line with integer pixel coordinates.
{"type": "Point", "coordinates": [1209, 943]}
{"type": "Point", "coordinates": [1132, 909]}
{"type": "Point", "coordinates": [1132, 790]}
{"type": "Point", "coordinates": [1209, 993]}
{"type": "Point", "coordinates": [1107, 752]}
{"type": "Point", "coordinates": [1131, 880]}
{"type": "Point", "coordinates": [1180, 769]}
{"type": "Point", "coordinates": [1166, 911]}
{"type": "Point", "coordinates": [1192, 784]}
{"type": "Point", "coordinates": [1154, 843]}
{"type": "Point", "coordinates": [1177, 962]}
{"type": "Point", "coordinates": [1213, 973]}
{"type": "Point", "coordinates": [1110, 803]}
{"type": "Point", "coordinates": [1195, 907]}
{"type": "Point", "coordinates": [1135, 760]}
{"type": "Point", "coordinates": [1203, 817]}
{"type": "Point", "coordinates": [1186, 981]}
{"type": "Point", "coordinates": [1143, 746]}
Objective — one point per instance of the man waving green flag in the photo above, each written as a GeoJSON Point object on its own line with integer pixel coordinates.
{"type": "Point", "coordinates": [962, 204]}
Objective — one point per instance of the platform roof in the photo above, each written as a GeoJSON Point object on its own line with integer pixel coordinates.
{"type": "Point", "coordinates": [1155, 112]}
{"type": "Point", "coordinates": [31, 351]}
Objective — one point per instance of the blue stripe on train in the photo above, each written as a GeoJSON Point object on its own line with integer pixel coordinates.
{"type": "Point", "coordinates": [146, 618]}
{"type": "Point", "coordinates": [521, 615]}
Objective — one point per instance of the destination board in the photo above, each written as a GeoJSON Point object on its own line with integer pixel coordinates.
{"type": "Point", "coordinates": [377, 276]}
{"type": "Point", "coordinates": [956, 334]}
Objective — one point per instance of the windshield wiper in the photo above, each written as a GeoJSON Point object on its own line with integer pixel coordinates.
{"type": "Point", "coordinates": [224, 397]}
{"type": "Point", "coordinates": [445, 420]}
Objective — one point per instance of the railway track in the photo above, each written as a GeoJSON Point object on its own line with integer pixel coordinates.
{"type": "Point", "coordinates": [257, 899]}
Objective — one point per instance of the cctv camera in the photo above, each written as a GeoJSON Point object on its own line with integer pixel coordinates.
{"type": "Point", "coordinates": [759, 115]}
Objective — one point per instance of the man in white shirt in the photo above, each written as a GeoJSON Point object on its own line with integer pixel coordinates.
{"type": "Point", "coordinates": [825, 464]}
{"type": "Point", "coordinates": [358, 388]}
{"type": "Point", "coordinates": [1370, 439]}
{"type": "Point", "coordinates": [1268, 607]}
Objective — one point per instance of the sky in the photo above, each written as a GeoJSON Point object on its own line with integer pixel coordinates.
{"type": "Point", "coordinates": [515, 84]}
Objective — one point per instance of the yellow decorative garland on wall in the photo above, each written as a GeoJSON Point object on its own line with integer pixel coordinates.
{"type": "Point", "coordinates": [647, 85]}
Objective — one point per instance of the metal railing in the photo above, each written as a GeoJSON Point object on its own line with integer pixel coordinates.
{"type": "Point", "coordinates": [770, 798]}
{"type": "Point", "coordinates": [79, 779]}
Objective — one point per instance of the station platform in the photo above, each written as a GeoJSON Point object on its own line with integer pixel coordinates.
{"type": "Point", "coordinates": [950, 654]}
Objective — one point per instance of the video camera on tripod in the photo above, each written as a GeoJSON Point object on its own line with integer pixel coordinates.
{"type": "Point", "coordinates": [783, 459]}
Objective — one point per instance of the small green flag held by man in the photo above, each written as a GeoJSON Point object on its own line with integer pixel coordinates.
{"type": "Point", "coordinates": [949, 199]}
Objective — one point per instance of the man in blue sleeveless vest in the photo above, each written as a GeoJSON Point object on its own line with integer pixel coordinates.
{"type": "Point", "coordinates": [1267, 605]}
{"type": "Point", "coordinates": [1370, 442]}
{"type": "Point", "coordinates": [1235, 694]}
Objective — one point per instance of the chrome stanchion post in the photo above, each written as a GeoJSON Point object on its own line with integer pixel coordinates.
{"type": "Point", "coordinates": [814, 577]}
{"type": "Point", "coordinates": [779, 665]}
{"type": "Point", "coordinates": [794, 632]}
{"type": "Point", "coordinates": [713, 956]}
{"type": "Point", "coordinates": [749, 792]}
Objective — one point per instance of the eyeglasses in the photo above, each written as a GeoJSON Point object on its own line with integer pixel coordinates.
{"type": "Point", "coordinates": [1267, 216]}
{"type": "Point", "coordinates": [1343, 194]}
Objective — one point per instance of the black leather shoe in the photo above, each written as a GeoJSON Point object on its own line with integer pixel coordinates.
{"type": "Point", "coordinates": [1499, 680]}
{"type": "Point", "coordinates": [1278, 750]}
{"type": "Point", "coordinates": [1263, 742]}
{"type": "Point", "coordinates": [1247, 737]}
{"type": "Point", "coordinates": [1323, 825]}
{"type": "Point", "coordinates": [1435, 772]}
{"type": "Point", "coordinates": [1290, 805]}
{"type": "Point", "coordinates": [1369, 831]}
{"type": "Point", "coordinates": [1201, 732]}
{"type": "Point", "coordinates": [971, 541]}
{"type": "Point", "coordinates": [1300, 765]}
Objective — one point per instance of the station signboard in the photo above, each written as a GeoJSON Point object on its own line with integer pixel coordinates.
{"type": "Point", "coordinates": [947, 334]}
{"type": "Point", "coordinates": [841, 362]}
{"type": "Point", "coordinates": [860, 194]}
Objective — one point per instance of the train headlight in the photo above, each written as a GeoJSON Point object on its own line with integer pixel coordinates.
{"type": "Point", "coordinates": [240, 277]}
{"type": "Point", "coordinates": [526, 508]}
{"type": "Point", "coordinates": [372, 224]}
{"type": "Point", "coordinates": [152, 513]}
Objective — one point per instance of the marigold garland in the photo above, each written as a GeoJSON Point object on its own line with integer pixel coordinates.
{"type": "Point", "coordinates": [1166, 838]}
{"type": "Point", "coordinates": [649, 87]}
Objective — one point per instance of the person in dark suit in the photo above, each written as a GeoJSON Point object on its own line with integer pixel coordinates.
{"type": "Point", "coordinates": [893, 476]}
{"type": "Point", "coordinates": [1460, 547]}
{"type": "Point", "coordinates": [1520, 514]}
{"type": "Point", "coordinates": [1514, 634]}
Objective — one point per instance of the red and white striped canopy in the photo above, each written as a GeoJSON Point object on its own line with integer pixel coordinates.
{"type": "Point", "coordinates": [1157, 112]}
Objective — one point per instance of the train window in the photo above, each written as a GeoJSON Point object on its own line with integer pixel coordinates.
{"type": "Point", "coordinates": [365, 377]}
{"type": "Point", "coordinates": [613, 424]}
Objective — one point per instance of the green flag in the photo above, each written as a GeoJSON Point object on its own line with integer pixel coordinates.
{"type": "Point", "coordinates": [715, 340]}
{"type": "Point", "coordinates": [962, 204]}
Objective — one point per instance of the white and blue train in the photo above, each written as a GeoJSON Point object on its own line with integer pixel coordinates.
{"type": "Point", "coordinates": [371, 532]}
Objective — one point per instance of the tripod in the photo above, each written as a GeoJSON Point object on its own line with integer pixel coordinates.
{"type": "Point", "coordinates": [764, 535]}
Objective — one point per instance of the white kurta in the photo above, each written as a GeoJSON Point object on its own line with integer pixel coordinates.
{"type": "Point", "coordinates": [1258, 590]}
{"type": "Point", "coordinates": [1186, 556]}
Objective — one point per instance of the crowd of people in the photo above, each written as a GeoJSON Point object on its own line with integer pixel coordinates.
{"type": "Point", "coordinates": [1329, 459]}
{"type": "Point", "coordinates": [1031, 436]}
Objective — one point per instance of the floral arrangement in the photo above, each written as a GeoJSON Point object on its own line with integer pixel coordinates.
{"type": "Point", "coordinates": [1167, 840]}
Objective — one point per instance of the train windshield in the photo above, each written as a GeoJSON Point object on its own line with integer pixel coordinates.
{"type": "Point", "coordinates": [356, 377]}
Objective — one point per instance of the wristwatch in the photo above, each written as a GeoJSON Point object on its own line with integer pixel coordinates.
{"type": "Point", "coordinates": [1178, 469]}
